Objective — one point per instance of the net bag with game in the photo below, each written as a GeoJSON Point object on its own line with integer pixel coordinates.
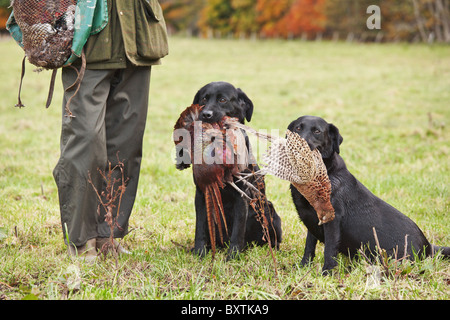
{"type": "Point", "coordinates": [47, 29]}
{"type": "Point", "coordinates": [47, 32]}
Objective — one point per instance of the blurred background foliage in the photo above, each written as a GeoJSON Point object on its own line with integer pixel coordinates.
{"type": "Point", "coordinates": [401, 20]}
{"type": "Point", "coordinates": [4, 13]}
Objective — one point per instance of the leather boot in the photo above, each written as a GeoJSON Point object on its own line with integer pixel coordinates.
{"type": "Point", "coordinates": [86, 252]}
{"type": "Point", "coordinates": [121, 250]}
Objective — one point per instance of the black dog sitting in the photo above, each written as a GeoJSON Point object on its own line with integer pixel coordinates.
{"type": "Point", "coordinates": [357, 210]}
{"type": "Point", "coordinates": [223, 99]}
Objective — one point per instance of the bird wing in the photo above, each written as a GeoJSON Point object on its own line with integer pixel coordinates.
{"type": "Point", "coordinates": [300, 156]}
{"type": "Point", "coordinates": [188, 116]}
{"type": "Point", "coordinates": [292, 159]}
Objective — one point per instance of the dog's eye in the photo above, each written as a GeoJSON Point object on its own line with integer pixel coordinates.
{"type": "Point", "coordinates": [299, 128]}
{"type": "Point", "coordinates": [222, 100]}
{"type": "Point", "coordinates": [317, 131]}
{"type": "Point", "coordinates": [204, 99]}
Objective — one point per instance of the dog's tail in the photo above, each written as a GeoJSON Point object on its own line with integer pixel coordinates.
{"type": "Point", "coordinates": [445, 251]}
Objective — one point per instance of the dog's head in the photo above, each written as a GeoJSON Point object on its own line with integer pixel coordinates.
{"type": "Point", "coordinates": [318, 134]}
{"type": "Point", "coordinates": [223, 99]}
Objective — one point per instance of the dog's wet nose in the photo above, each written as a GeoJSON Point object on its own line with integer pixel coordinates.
{"type": "Point", "coordinates": [207, 114]}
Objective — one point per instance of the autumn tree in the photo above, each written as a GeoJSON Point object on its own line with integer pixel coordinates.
{"type": "Point", "coordinates": [243, 20]}
{"type": "Point", "coordinates": [406, 20]}
{"type": "Point", "coordinates": [269, 13]}
{"type": "Point", "coordinates": [182, 15]}
{"type": "Point", "coordinates": [5, 11]}
{"type": "Point", "coordinates": [347, 16]}
{"type": "Point", "coordinates": [304, 16]}
{"type": "Point", "coordinates": [432, 18]}
{"type": "Point", "coordinates": [398, 21]}
{"type": "Point", "coordinates": [216, 16]}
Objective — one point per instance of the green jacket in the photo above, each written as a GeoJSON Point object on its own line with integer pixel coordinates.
{"type": "Point", "coordinates": [136, 33]}
{"type": "Point", "coordinates": [113, 32]}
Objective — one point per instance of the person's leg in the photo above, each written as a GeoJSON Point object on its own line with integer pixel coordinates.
{"type": "Point", "coordinates": [125, 119]}
{"type": "Point", "coordinates": [83, 151]}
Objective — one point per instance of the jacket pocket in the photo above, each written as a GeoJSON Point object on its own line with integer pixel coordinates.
{"type": "Point", "coordinates": [156, 45]}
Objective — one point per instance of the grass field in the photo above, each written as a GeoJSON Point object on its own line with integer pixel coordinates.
{"type": "Point", "coordinates": [391, 103]}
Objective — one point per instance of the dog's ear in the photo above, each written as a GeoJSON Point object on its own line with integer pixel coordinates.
{"type": "Point", "coordinates": [335, 137]}
{"type": "Point", "coordinates": [248, 104]}
{"type": "Point", "coordinates": [199, 93]}
{"type": "Point", "coordinates": [292, 125]}
{"type": "Point", "coordinates": [197, 97]}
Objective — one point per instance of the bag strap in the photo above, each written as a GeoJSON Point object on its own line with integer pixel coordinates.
{"type": "Point", "coordinates": [52, 87]}
{"type": "Point", "coordinates": [19, 102]}
{"type": "Point", "coordinates": [77, 84]}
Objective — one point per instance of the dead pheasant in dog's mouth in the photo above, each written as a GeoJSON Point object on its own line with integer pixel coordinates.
{"type": "Point", "coordinates": [292, 159]}
{"type": "Point", "coordinates": [214, 151]}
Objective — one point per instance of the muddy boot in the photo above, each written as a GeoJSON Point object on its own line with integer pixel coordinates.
{"type": "Point", "coordinates": [86, 252]}
{"type": "Point", "coordinates": [120, 250]}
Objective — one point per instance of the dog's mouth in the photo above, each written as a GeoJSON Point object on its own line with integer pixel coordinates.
{"type": "Point", "coordinates": [311, 146]}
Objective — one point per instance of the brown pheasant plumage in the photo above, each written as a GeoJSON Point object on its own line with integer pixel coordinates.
{"type": "Point", "coordinates": [213, 153]}
{"type": "Point", "coordinates": [291, 159]}
{"type": "Point", "coordinates": [313, 182]}
{"type": "Point", "coordinates": [47, 30]}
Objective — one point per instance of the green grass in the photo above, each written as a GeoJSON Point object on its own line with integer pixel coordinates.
{"type": "Point", "coordinates": [379, 96]}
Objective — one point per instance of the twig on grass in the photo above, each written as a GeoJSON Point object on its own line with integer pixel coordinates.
{"type": "Point", "coordinates": [108, 199]}
{"type": "Point", "coordinates": [185, 248]}
{"type": "Point", "coordinates": [391, 265]}
{"type": "Point", "coordinates": [259, 204]}
{"type": "Point", "coordinates": [382, 252]}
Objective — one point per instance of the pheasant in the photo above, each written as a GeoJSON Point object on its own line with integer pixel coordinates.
{"type": "Point", "coordinates": [291, 159]}
{"type": "Point", "coordinates": [214, 151]}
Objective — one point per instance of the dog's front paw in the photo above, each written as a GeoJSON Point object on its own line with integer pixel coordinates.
{"type": "Point", "coordinates": [233, 253]}
{"type": "Point", "coordinates": [327, 269]}
{"type": "Point", "coordinates": [306, 261]}
{"type": "Point", "coordinates": [200, 251]}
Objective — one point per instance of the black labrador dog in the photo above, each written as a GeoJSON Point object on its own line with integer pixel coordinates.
{"type": "Point", "coordinates": [223, 99]}
{"type": "Point", "coordinates": [357, 210]}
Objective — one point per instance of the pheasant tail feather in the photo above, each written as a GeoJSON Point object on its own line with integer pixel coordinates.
{"type": "Point", "coordinates": [218, 207]}
{"type": "Point", "coordinates": [215, 214]}
{"type": "Point", "coordinates": [210, 220]}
